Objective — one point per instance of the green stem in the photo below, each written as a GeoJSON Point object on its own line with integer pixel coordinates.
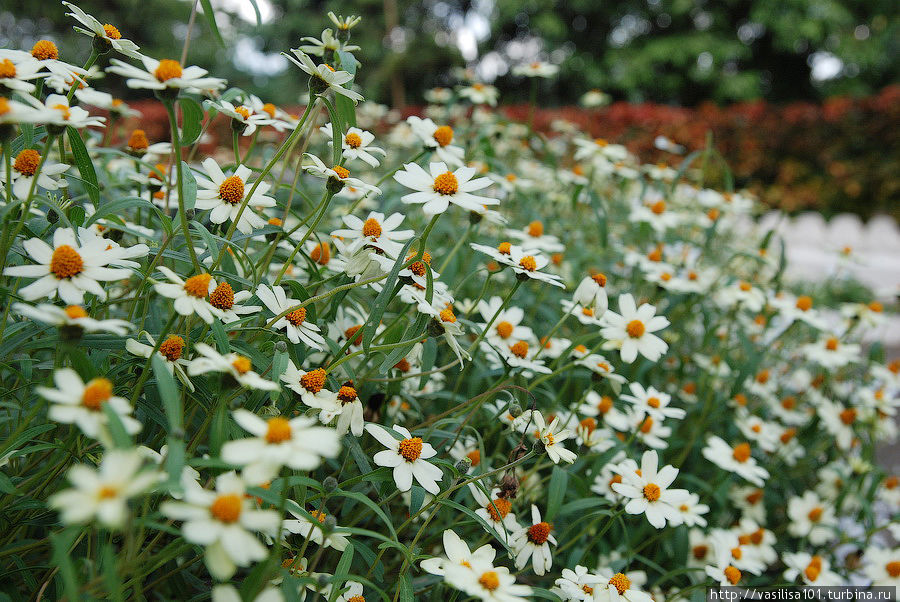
{"type": "Point", "coordinates": [90, 63]}
{"type": "Point", "coordinates": [176, 147]}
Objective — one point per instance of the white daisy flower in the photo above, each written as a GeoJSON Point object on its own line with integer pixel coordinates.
{"type": "Point", "coordinates": [13, 111]}
{"type": "Point", "coordinates": [457, 554]}
{"type": "Point", "coordinates": [235, 365]}
{"type": "Point", "coordinates": [810, 569]}
{"type": "Point", "coordinates": [812, 518]}
{"type": "Point", "coordinates": [652, 402]}
{"type": "Point", "coordinates": [223, 521]}
{"type": "Point", "coordinates": [329, 42]}
{"type": "Point", "coordinates": [630, 330]}
{"type": "Point", "coordinates": [496, 511]}
{"type": "Point", "coordinates": [737, 460]}
{"type": "Point", "coordinates": [441, 187]}
{"type": "Point", "coordinates": [108, 35]}
{"type": "Point", "coordinates": [69, 268]}
{"type": "Point", "coordinates": [692, 511]}
{"type": "Point", "coordinates": [533, 237]}
{"type": "Point", "coordinates": [102, 493]}
{"type": "Point", "coordinates": [71, 316]}
{"type": "Point", "coordinates": [533, 543]}
{"type": "Point", "coordinates": [313, 530]}
{"type": "Point", "coordinates": [229, 593]}
{"type": "Point", "coordinates": [407, 457]}
{"type": "Point", "coordinates": [357, 145]}
{"type": "Point", "coordinates": [437, 138]}
{"type": "Point", "coordinates": [375, 231]}
{"type": "Point", "coordinates": [525, 263]}
{"type": "Point", "coordinates": [47, 54]}
{"type": "Point", "coordinates": [487, 582]}
{"type": "Point", "coordinates": [831, 353]}
{"type": "Point", "coordinates": [479, 93]}
{"type": "Point", "coordinates": [25, 166]}
{"type": "Point", "coordinates": [591, 292]}
{"type": "Point", "coordinates": [191, 295]}
{"type": "Point", "coordinates": [75, 402]}
{"type": "Point", "coordinates": [16, 71]}
{"type": "Point", "coordinates": [278, 442]}
{"type": "Point", "coordinates": [619, 587]}
{"type": "Point", "coordinates": [649, 493]}
{"type": "Point", "coordinates": [310, 386]}
{"type": "Point", "coordinates": [243, 118]}
{"type": "Point", "coordinates": [536, 69]}
{"type": "Point", "coordinates": [103, 100]}
{"type": "Point", "coordinates": [63, 114]}
{"type": "Point", "coordinates": [552, 435]}
{"type": "Point", "coordinates": [578, 584]}
{"type": "Point", "coordinates": [325, 75]}
{"type": "Point", "coordinates": [170, 351]}
{"type": "Point", "coordinates": [294, 322]}
{"type": "Point", "coordinates": [225, 196]}
{"type": "Point", "coordinates": [338, 173]}
{"type": "Point", "coordinates": [601, 366]}
{"type": "Point", "coordinates": [165, 74]}
{"type": "Point", "coordinates": [882, 566]}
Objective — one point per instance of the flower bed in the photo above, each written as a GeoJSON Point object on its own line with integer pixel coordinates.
{"type": "Point", "coordinates": [453, 357]}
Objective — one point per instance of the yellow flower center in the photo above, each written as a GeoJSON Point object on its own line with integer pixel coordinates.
{"type": "Point", "coordinates": [371, 228]}
{"type": "Point", "coordinates": [741, 452]}
{"type": "Point", "coordinates": [232, 190]}
{"type": "Point", "coordinates": [278, 430]}
{"type": "Point", "coordinates": [410, 449]}
{"type": "Point", "coordinates": [7, 69]}
{"type": "Point", "coordinates": [227, 508]}
{"type": "Point", "coordinates": [167, 69]}
{"type": "Point", "coordinates": [732, 574]}
{"type": "Point", "coordinates": [504, 330]}
{"type": "Point", "coordinates": [297, 317]}
{"type": "Point", "coordinates": [605, 404]}
{"type": "Point", "coordinates": [528, 263]}
{"type": "Point", "coordinates": [804, 303]}
{"type": "Point", "coordinates": [96, 392]}
{"type": "Point", "coordinates": [4, 106]}
{"type": "Point", "coordinates": [64, 109]}
{"type": "Point", "coordinates": [270, 109]}
{"type": "Point", "coordinates": [489, 580]}
{"type": "Point", "coordinates": [111, 32]}
{"type": "Point", "coordinates": [76, 311]}
{"type": "Point", "coordinates": [446, 183]}
{"type": "Point", "coordinates": [27, 162]}
{"type": "Point", "coordinates": [44, 49]}
{"type": "Point", "coordinates": [198, 286]}
{"type": "Point", "coordinates": [874, 306]}
{"type": "Point", "coordinates": [222, 296]}
{"type": "Point", "coordinates": [539, 533]}
{"type": "Point", "coordinates": [652, 492]}
{"type": "Point", "coordinates": [347, 394]}
{"type": "Point", "coordinates": [815, 515]}
{"type": "Point", "coordinates": [353, 140]}
{"type": "Point", "coordinates": [342, 172]}
{"type": "Point", "coordinates": [66, 262]}
{"type": "Point", "coordinates": [321, 253]}
{"type": "Point", "coordinates": [499, 509]}
{"type": "Point", "coordinates": [243, 112]}
{"type": "Point", "coordinates": [138, 140]}
{"type": "Point", "coordinates": [443, 135]}
{"type": "Point", "coordinates": [620, 582]}
{"type": "Point", "coordinates": [107, 492]}
{"type": "Point", "coordinates": [357, 599]}
{"type": "Point", "coordinates": [172, 347]}
{"type": "Point", "coordinates": [535, 229]}
{"type": "Point", "coordinates": [504, 248]}
{"type": "Point", "coordinates": [519, 349]}
{"type": "Point", "coordinates": [313, 381]}
{"type": "Point", "coordinates": [242, 364]}
{"type": "Point", "coordinates": [588, 424]}
{"type": "Point", "coordinates": [447, 315]}
{"type": "Point", "coordinates": [635, 329]}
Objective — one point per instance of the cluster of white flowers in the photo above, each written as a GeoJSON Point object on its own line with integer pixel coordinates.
{"type": "Point", "coordinates": [477, 345]}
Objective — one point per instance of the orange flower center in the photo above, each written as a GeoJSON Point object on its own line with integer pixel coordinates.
{"type": "Point", "coordinates": [443, 135]}
{"type": "Point", "coordinates": [96, 392]}
{"type": "Point", "coordinates": [232, 190]}
{"type": "Point", "coordinates": [848, 416]}
{"type": "Point", "coordinates": [76, 311]}
{"type": "Point", "coordinates": [198, 286]}
{"type": "Point", "coordinates": [111, 32]}
{"type": "Point", "coordinates": [741, 452]}
{"type": "Point", "coordinates": [475, 457]}
{"type": "Point", "coordinates": [620, 582]}
{"type": "Point", "coordinates": [732, 574]}
{"type": "Point", "coordinates": [635, 329]}
{"type": "Point", "coordinates": [600, 279]}
{"type": "Point", "coordinates": [27, 162]}
{"type": "Point", "coordinates": [418, 268]}
{"type": "Point", "coordinates": [351, 332]}
{"type": "Point", "coordinates": [804, 303]}
{"type": "Point", "coordinates": [504, 248]}
{"type": "Point", "coordinates": [167, 69]}
{"type": "Point", "coordinates": [815, 515]}
{"type": "Point", "coordinates": [589, 424]}
{"type": "Point", "coordinates": [489, 580]}
{"type": "Point", "coordinates": [138, 140]}
{"type": "Point", "coordinates": [528, 263]}
{"type": "Point", "coordinates": [44, 49]}
{"type": "Point", "coordinates": [504, 330]}
{"type": "Point", "coordinates": [652, 492]}
{"type": "Point", "coordinates": [893, 568]}
{"type": "Point", "coordinates": [410, 449]}
{"type": "Point", "coordinates": [499, 509]}
{"type": "Point", "coordinates": [107, 492]}
{"type": "Point", "coordinates": [7, 69]}
{"type": "Point", "coordinates": [342, 172]}
{"type": "Point", "coordinates": [347, 394]}
{"type": "Point", "coordinates": [172, 347]}
{"type": "Point", "coordinates": [242, 364]}
{"type": "Point", "coordinates": [519, 349]}
{"type": "Point", "coordinates": [278, 430]}
{"type": "Point", "coordinates": [243, 112]}
{"type": "Point", "coordinates": [222, 296]}
{"type": "Point", "coordinates": [653, 402]}
{"type": "Point", "coordinates": [447, 315]}
{"type": "Point", "coordinates": [831, 344]}
{"type": "Point", "coordinates": [371, 228]}
{"type": "Point", "coordinates": [321, 253]}
{"type": "Point", "coordinates": [297, 317]}
{"type": "Point", "coordinates": [227, 508]}
{"type": "Point", "coordinates": [700, 552]}
{"type": "Point", "coordinates": [658, 207]}
{"type": "Point", "coordinates": [313, 381]}
{"type": "Point", "coordinates": [353, 140]}
{"type": "Point", "coordinates": [66, 262]}
{"type": "Point", "coordinates": [446, 183]}
{"type": "Point", "coordinates": [876, 307]}
{"type": "Point", "coordinates": [535, 229]}
{"type": "Point", "coordinates": [754, 497]}
{"type": "Point", "coordinates": [539, 533]}
{"type": "Point", "coordinates": [4, 106]}
{"type": "Point", "coordinates": [357, 599]}
{"type": "Point", "coordinates": [605, 404]}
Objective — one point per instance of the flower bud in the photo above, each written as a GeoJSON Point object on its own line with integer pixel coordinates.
{"type": "Point", "coordinates": [515, 410]}
{"type": "Point", "coordinates": [463, 465]}
{"type": "Point", "coordinates": [281, 347]}
{"type": "Point", "coordinates": [330, 484]}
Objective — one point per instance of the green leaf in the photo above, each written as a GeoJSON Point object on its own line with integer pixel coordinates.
{"type": "Point", "coordinates": [188, 187]}
{"type": "Point", "coordinates": [115, 208]}
{"type": "Point", "coordinates": [61, 542]}
{"type": "Point", "coordinates": [84, 164]}
{"type": "Point", "coordinates": [120, 436]}
{"type": "Point", "coordinates": [211, 20]}
{"type": "Point", "coordinates": [372, 506]}
{"type": "Point", "coordinates": [558, 483]}
{"type": "Point", "coordinates": [405, 589]}
{"type": "Point", "coordinates": [342, 570]}
{"type": "Point", "coordinates": [110, 573]}
{"type": "Point", "coordinates": [384, 297]}
{"type": "Point", "coordinates": [168, 393]}
{"type": "Point", "coordinates": [221, 337]}
{"type": "Point", "coordinates": [346, 110]}
{"type": "Point", "coordinates": [191, 120]}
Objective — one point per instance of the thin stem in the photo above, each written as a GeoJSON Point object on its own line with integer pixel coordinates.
{"type": "Point", "coordinates": [176, 147]}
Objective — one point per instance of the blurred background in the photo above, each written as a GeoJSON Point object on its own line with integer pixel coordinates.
{"type": "Point", "coordinates": [800, 95]}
